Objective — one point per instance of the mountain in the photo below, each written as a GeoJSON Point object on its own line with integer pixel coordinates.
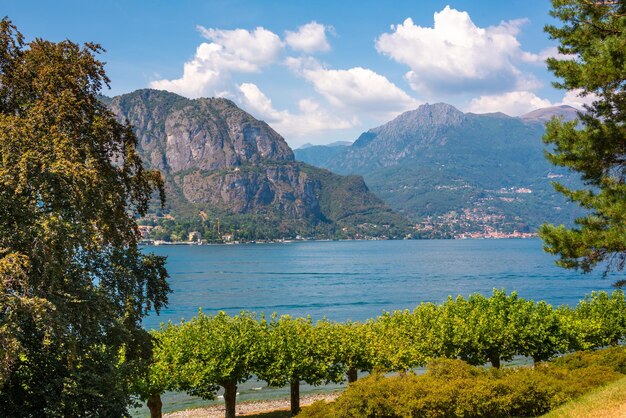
{"type": "Point", "coordinates": [332, 144]}
{"type": "Point", "coordinates": [319, 155]}
{"type": "Point", "coordinates": [459, 173]}
{"type": "Point", "coordinates": [220, 162]}
{"type": "Point", "coordinates": [567, 113]}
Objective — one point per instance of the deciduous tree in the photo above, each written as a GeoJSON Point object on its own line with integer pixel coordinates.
{"type": "Point", "coordinates": [73, 284]}
{"type": "Point", "coordinates": [294, 352]}
{"type": "Point", "coordinates": [220, 350]}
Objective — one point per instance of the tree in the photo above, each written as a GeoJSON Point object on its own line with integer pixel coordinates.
{"type": "Point", "coordinates": [599, 320]}
{"type": "Point", "coordinates": [220, 350]}
{"type": "Point", "coordinates": [538, 331]}
{"type": "Point", "coordinates": [294, 352]}
{"type": "Point", "coordinates": [479, 328]}
{"type": "Point", "coordinates": [73, 284]}
{"type": "Point", "coordinates": [403, 340]}
{"type": "Point", "coordinates": [593, 39]}
{"type": "Point", "coordinates": [161, 372]}
{"type": "Point", "coordinates": [353, 342]}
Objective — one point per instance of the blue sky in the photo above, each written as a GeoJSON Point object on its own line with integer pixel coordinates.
{"type": "Point", "coordinates": [317, 71]}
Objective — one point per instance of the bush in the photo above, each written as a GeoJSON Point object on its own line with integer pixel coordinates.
{"type": "Point", "coordinates": [452, 388]}
{"type": "Point", "coordinates": [613, 358]}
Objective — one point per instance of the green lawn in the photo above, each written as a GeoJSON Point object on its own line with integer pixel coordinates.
{"type": "Point", "coordinates": [607, 402]}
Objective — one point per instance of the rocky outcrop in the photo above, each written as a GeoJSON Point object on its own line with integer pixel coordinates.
{"type": "Point", "coordinates": [177, 134]}
{"type": "Point", "coordinates": [215, 156]}
{"type": "Point", "coordinates": [255, 189]}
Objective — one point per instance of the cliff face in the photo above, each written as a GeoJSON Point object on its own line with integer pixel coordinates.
{"type": "Point", "coordinates": [215, 156]}
{"type": "Point", "coordinates": [178, 134]}
{"type": "Point", "coordinates": [257, 188]}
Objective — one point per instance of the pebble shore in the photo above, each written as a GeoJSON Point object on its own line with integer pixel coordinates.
{"type": "Point", "coordinates": [248, 408]}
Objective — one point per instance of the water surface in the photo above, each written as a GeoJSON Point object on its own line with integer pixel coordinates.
{"type": "Point", "coordinates": [352, 280]}
{"type": "Point", "coordinates": [359, 279]}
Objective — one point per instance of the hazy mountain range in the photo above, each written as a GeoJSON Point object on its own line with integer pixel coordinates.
{"type": "Point", "coordinates": [456, 172]}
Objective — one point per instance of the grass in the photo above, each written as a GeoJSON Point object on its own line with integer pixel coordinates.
{"type": "Point", "coordinates": [606, 402]}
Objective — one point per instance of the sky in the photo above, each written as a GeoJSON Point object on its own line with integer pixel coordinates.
{"type": "Point", "coordinates": [318, 71]}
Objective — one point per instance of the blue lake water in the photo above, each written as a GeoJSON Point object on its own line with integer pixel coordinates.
{"type": "Point", "coordinates": [359, 279]}
{"type": "Point", "coordinates": [352, 280]}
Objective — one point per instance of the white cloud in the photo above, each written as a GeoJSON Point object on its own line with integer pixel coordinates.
{"type": "Point", "coordinates": [517, 103]}
{"type": "Point", "coordinates": [231, 51]}
{"type": "Point", "coordinates": [309, 38]}
{"type": "Point", "coordinates": [541, 57]}
{"type": "Point", "coordinates": [356, 90]}
{"type": "Point", "coordinates": [456, 56]}
{"type": "Point", "coordinates": [513, 103]}
{"type": "Point", "coordinates": [312, 118]}
{"type": "Point", "coordinates": [299, 64]}
{"type": "Point", "coordinates": [574, 99]}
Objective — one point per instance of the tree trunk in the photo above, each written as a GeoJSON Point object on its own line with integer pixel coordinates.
{"type": "Point", "coordinates": [230, 398]}
{"type": "Point", "coordinates": [155, 405]}
{"type": "Point", "coordinates": [495, 361]}
{"type": "Point", "coordinates": [352, 375]}
{"type": "Point", "coordinates": [295, 397]}
{"type": "Point", "coordinates": [536, 361]}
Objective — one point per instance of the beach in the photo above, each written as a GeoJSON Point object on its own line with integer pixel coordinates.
{"type": "Point", "coordinates": [252, 407]}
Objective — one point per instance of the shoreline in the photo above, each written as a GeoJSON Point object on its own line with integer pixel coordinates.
{"type": "Point", "coordinates": [247, 408]}
{"type": "Point", "coordinates": [157, 243]}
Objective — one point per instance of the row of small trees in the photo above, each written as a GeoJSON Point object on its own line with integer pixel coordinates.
{"type": "Point", "coordinates": [209, 352]}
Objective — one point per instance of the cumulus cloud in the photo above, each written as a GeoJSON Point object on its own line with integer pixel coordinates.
{"type": "Point", "coordinates": [573, 98]}
{"type": "Point", "coordinates": [513, 103]}
{"type": "Point", "coordinates": [357, 90]}
{"type": "Point", "coordinates": [311, 119]}
{"type": "Point", "coordinates": [230, 51]}
{"type": "Point", "coordinates": [456, 56]}
{"type": "Point", "coordinates": [309, 38]}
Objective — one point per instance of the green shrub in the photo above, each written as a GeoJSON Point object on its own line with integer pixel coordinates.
{"type": "Point", "coordinates": [612, 357]}
{"type": "Point", "coordinates": [452, 388]}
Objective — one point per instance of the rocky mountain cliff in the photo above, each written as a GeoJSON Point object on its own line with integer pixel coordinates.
{"type": "Point", "coordinates": [459, 172]}
{"type": "Point", "coordinates": [220, 161]}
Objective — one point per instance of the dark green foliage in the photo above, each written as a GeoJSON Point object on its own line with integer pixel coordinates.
{"type": "Point", "coordinates": [452, 388]}
{"type": "Point", "coordinates": [74, 286]}
{"type": "Point", "coordinates": [593, 34]}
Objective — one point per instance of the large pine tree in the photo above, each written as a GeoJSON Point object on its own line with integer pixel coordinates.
{"type": "Point", "coordinates": [592, 36]}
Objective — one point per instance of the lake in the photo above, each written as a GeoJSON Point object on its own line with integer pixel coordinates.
{"type": "Point", "coordinates": [352, 280]}
{"type": "Point", "coordinates": [359, 279]}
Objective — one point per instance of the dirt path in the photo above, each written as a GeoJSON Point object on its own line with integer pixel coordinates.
{"type": "Point", "coordinates": [247, 408]}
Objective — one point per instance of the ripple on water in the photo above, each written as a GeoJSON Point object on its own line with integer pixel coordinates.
{"type": "Point", "coordinates": [358, 280]}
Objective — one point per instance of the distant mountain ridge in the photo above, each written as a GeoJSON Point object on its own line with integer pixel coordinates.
{"type": "Point", "coordinates": [565, 112]}
{"type": "Point", "coordinates": [458, 172]}
{"type": "Point", "coordinates": [220, 161]}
